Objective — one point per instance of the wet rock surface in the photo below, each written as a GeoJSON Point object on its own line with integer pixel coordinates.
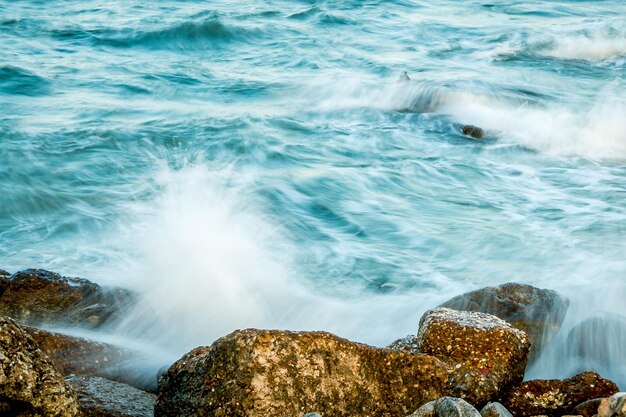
{"type": "Point", "coordinates": [100, 397]}
{"type": "Point", "coordinates": [538, 312]}
{"type": "Point", "coordinates": [613, 406]}
{"type": "Point", "coordinates": [472, 131]}
{"type": "Point", "coordinates": [486, 355]}
{"type": "Point", "coordinates": [256, 373]}
{"type": "Point", "coordinates": [76, 355]}
{"type": "Point", "coordinates": [29, 383]}
{"type": "Point", "coordinates": [37, 297]}
{"type": "Point", "coordinates": [587, 408]}
{"type": "Point", "coordinates": [446, 407]}
{"type": "Point", "coordinates": [556, 397]}
{"type": "Point", "coordinates": [495, 409]}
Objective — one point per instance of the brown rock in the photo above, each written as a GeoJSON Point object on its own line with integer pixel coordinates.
{"type": "Point", "coordinates": [495, 409]}
{"type": "Point", "coordinates": [556, 397]}
{"type": "Point", "coordinates": [473, 131]}
{"type": "Point", "coordinates": [76, 355]}
{"type": "Point", "coordinates": [36, 297]}
{"type": "Point", "coordinates": [536, 311]}
{"type": "Point", "coordinates": [29, 383]}
{"type": "Point", "coordinates": [99, 397]}
{"type": "Point", "coordinates": [486, 354]}
{"type": "Point", "coordinates": [614, 406]}
{"type": "Point", "coordinates": [259, 373]}
{"type": "Point", "coordinates": [588, 408]}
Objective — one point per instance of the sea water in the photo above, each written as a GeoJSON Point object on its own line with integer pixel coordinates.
{"type": "Point", "coordinates": [269, 163]}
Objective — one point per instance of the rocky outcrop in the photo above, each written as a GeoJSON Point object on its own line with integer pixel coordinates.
{"type": "Point", "coordinates": [486, 354]}
{"type": "Point", "coordinates": [495, 409]}
{"type": "Point", "coordinates": [259, 373]}
{"type": "Point", "coordinates": [29, 383]}
{"type": "Point", "coordinates": [76, 355]}
{"type": "Point", "coordinates": [36, 297]}
{"type": "Point", "coordinates": [446, 407]}
{"type": "Point", "coordinates": [556, 397]}
{"type": "Point", "coordinates": [99, 397]}
{"type": "Point", "coordinates": [614, 406]}
{"type": "Point", "coordinates": [536, 311]}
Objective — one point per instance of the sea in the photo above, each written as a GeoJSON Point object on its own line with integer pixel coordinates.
{"type": "Point", "coordinates": [302, 165]}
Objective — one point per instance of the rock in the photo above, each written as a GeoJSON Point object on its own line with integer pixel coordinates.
{"type": "Point", "coordinates": [407, 344]}
{"type": "Point", "coordinates": [76, 355]}
{"type": "Point", "coordinates": [29, 383]}
{"type": "Point", "coordinates": [495, 409]}
{"type": "Point", "coordinates": [486, 354]}
{"type": "Point", "coordinates": [588, 408]}
{"type": "Point", "coordinates": [446, 407]}
{"type": "Point", "coordinates": [99, 397]}
{"type": "Point", "coordinates": [614, 406]}
{"type": "Point", "coordinates": [36, 297]}
{"type": "Point", "coordinates": [536, 311]}
{"type": "Point", "coordinates": [556, 397]}
{"type": "Point", "coordinates": [258, 373]}
{"type": "Point", "coordinates": [473, 131]}
{"type": "Point", "coordinates": [312, 415]}
{"type": "Point", "coordinates": [599, 342]}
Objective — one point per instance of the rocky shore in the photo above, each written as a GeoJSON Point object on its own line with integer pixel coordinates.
{"type": "Point", "coordinates": [466, 355]}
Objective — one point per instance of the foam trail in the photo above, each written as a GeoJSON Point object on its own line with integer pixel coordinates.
{"type": "Point", "coordinates": [206, 262]}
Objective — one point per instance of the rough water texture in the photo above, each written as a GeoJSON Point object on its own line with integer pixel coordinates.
{"type": "Point", "coordinates": [258, 373]}
{"type": "Point", "coordinates": [266, 163]}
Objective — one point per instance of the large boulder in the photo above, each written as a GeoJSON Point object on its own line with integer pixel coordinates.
{"type": "Point", "coordinates": [486, 354]}
{"type": "Point", "coordinates": [99, 397]}
{"type": "Point", "coordinates": [38, 297]}
{"type": "Point", "coordinates": [556, 397]}
{"type": "Point", "coordinates": [538, 312]}
{"type": "Point", "coordinates": [446, 407]}
{"type": "Point", "coordinates": [259, 373]}
{"type": "Point", "coordinates": [29, 383]}
{"type": "Point", "coordinates": [76, 355]}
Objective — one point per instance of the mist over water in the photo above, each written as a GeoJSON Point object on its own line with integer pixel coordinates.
{"type": "Point", "coordinates": [267, 165]}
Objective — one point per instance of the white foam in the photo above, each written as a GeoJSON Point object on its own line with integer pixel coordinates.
{"type": "Point", "coordinates": [598, 45]}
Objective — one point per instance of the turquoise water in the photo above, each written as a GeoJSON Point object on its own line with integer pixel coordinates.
{"type": "Point", "coordinates": [266, 164]}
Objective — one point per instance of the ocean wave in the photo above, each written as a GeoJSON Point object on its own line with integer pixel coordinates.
{"type": "Point", "coordinates": [596, 44]}
{"type": "Point", "coordinates": [599, 131]}
{"type": "Point", "coordinates": [209, 29]}
{"type": "Point", "coordinates": [20, 81]}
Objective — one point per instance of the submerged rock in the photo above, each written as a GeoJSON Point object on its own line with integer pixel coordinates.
{"type": "Point", "coordinates": [538, 312]}
{"type": "Point", "coordinates": [556, 397]}
{"type": "Point", "coordinates": [99, 397]}
{"type": "Point", "coordinates": [29, 383]}
{"type": "Point", "coordinates": [446, 407]}
{"type": "Point", "coordinates": [599, 341]}
{"type": "Point", "coordinates": [36, 297]}
{"type": "Point", "coordinates": [473, 131]}
{"type": "Point", "coordinates": [614, 406]}
{"type": "Point", "coordinates": [486, 354]}
{"type": "Point", "coordinates": [259, 373]}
